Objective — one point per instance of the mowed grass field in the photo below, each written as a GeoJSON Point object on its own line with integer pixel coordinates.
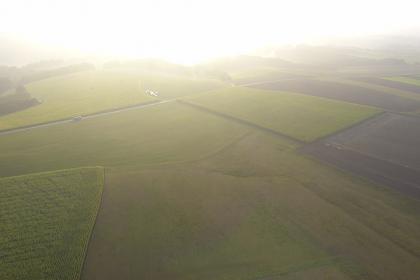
{"type": "Point", "coordinates": [160, 134]}
{"type": "Point", "coordinates": [303, 117]}
{"type": "Point", "coordinates": [93, 91]}
{"type": "Point", "coordinates": [46, 222]}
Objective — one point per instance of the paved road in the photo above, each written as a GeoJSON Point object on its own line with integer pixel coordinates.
{"type": "Point", "coordinates": [91, 116]}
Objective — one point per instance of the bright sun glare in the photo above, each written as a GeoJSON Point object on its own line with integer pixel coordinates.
{"type": "Point", "coordinates": [191, 31]}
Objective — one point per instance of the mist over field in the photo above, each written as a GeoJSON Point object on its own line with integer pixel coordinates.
{"type": "Point", "coordinates": [214, 140]}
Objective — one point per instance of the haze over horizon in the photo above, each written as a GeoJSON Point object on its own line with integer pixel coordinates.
{"type": "Point", "coordinates": [187, 32]}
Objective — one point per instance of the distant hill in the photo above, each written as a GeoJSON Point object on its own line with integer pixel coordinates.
{"type": "Point", "coordinates": [246, 61]}
{"type": "Point", "coordinates": [164, 67]}
{"type": "Point", "coordinates": [39, 75]}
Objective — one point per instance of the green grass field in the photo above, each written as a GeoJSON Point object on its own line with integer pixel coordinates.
{"type": "Point", "coordinates": [165, 133]}
{"type": "Point", "coordinates": [46, 222]}
{"type": "Point", "coordinates": [92, 91]}
{"type": "Point", "coordinates": [299, 116]}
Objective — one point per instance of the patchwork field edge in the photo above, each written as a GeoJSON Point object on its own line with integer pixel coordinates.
{"type": "Point", "coordinates": [94, 222]}
{"type": "Point", "coordinates": [373, 116]}
{"type": "Point", "coordinates": [241, 121]}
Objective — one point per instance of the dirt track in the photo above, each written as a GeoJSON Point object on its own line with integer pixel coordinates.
{"type": "Point", "coordinates": [344, 92]}
{"type": "Point", "coordinates": [384, 149]}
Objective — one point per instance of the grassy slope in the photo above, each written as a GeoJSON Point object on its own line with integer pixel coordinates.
{"type": "Point", "coordinates": [300, 116]}
{"type": "Point", "coordinates": [255, 210]}
{"type": "Point", "coordinates": [93, 91]}
{"type": "Point", "coordinates": [164, 133]}
{"type": "Point", "coordinates": [46, 222]}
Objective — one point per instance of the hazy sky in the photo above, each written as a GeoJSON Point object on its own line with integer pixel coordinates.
{"type": "Point", "coordinates": [187, 31]}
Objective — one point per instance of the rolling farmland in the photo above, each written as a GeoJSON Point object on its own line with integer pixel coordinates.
{"type": "Point", "coordinates": [46, 222]}
{"type": "Point", "coordinates": [216, 182]}
{"type": "Point", "coordinates": [221, 201]}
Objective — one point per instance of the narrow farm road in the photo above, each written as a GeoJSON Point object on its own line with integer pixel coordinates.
{"type": "Point", "coordinates": [84, 117]}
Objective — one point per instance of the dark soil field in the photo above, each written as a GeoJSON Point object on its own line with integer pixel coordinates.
{"type": "Point", "coordinates": [384, 149]}
{"type": "Point", "coordinates": [344, 92]}
{"type": "Point", "coordinates": [391, 84]}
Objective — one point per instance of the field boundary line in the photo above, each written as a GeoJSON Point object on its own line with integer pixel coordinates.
{"type": "Point", "coordinates": [94, 223]}
{"type": "Point", "coordinates": [340, 130]}
{"type": "Point", "coordinates": [241, 121]}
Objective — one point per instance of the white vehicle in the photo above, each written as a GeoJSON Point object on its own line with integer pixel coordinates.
{"type": "Point", "coordinates": [77, 118]}
{"type": "Point", "coordinates": [152, 93]}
